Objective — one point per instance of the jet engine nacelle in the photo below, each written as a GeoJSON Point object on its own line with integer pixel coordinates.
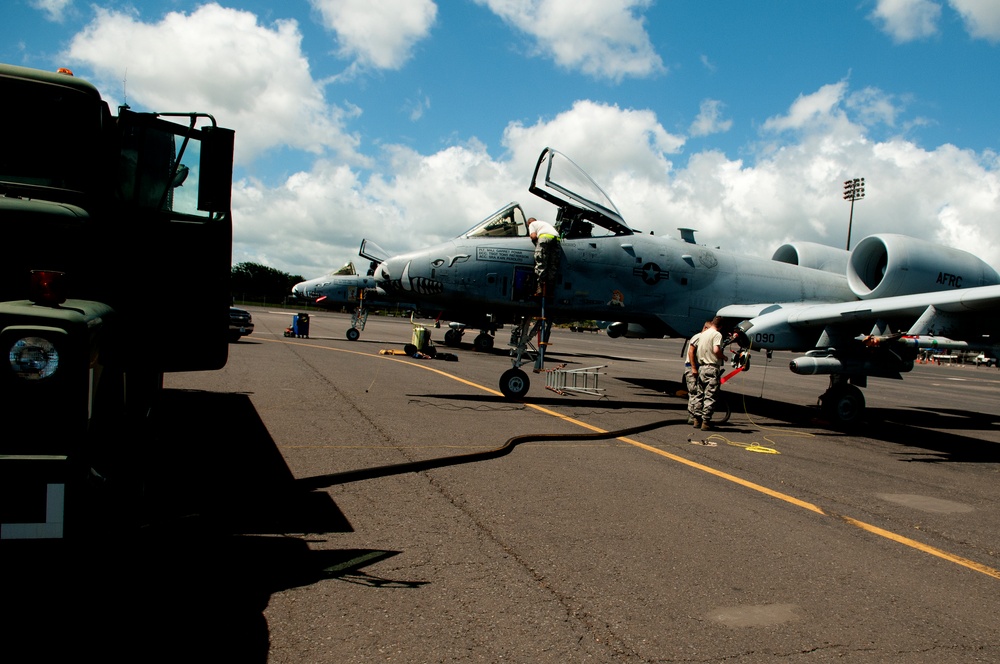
{"type": "Point", "coordinates": [811, 254]}
{"type": "Point", "coordinates": [631, 331]}
{"type": "Point", "coordinates": [889, 265]}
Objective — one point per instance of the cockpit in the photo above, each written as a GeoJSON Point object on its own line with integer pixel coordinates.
{"type": "Point", "coordinates": [583, 210]}
{"type": "Point", "coordinates": [508, 221]}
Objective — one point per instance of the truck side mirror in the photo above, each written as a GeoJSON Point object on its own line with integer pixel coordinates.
{"type": "Point", "coordinates": [215, 189]}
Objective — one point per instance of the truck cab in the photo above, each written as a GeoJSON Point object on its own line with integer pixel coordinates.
{"type": "Point", "coordinates": [102, 214]}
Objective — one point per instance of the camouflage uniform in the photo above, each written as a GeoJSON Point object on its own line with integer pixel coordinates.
{"type": "Point", "coordinates": [691, 382]}
{"type": "Point", "coordinates": [546, 251]}
{"type": "Point", "coordinates": [709, 373]}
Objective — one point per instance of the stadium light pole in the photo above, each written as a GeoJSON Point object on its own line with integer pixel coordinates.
{"type": "Point", "coordinates": [854, 190]}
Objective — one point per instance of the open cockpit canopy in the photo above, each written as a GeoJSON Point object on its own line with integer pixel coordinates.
{"type": "Point", "coordinates": [582, 203]}
{"type": "Point", "coordinates": [584, 210]}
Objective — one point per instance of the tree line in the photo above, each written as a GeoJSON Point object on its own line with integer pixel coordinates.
{"type": "Point", "coordinates": [253, 282]}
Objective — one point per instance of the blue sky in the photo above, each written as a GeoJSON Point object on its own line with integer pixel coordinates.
{"type": "Point", "coordinates": [407, 121]}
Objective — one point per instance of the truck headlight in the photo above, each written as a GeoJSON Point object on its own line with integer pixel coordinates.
{"type": "Point", "coordinates": [34, 358]}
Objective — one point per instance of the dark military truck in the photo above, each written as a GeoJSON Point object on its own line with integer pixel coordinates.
{"type": "Point", "coordinates": [104, 217]}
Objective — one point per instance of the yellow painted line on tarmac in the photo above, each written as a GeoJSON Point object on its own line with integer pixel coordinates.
{"type": "Point", "coordinates": [393, 358]}
{"type": "Point", "coordinates": [958, 560]}
{"type": "Point", "coordinates": [875, 530]}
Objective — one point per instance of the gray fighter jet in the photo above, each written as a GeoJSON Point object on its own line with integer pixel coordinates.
{"type": "Point", "coordinates": [346, 288]}
{"type": "Point", "coordinates": [854, 314]}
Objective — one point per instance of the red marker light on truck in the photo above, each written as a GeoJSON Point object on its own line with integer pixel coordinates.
{"type": "Point", "coordinates": [47, 287]}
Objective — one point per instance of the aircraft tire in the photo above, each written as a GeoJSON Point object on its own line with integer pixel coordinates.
{"type": "Point", "coordinates": [514, 383]}
{"type": "Point", "coordinates": [353, 334]}
{"type": "Point", "coordinates": [722, 409]}
{"type": "Point", "coordinates": [453, 338]}
{"type": "Point", "coordinates": [483, 343]}
{"type": "Point", "coordinates": [843, 404]}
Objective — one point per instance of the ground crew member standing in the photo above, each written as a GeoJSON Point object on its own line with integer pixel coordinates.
{"type": "Point", "coordinates": [546, 238]}
{"type": "Point", "coordinates": [710, 358]}
{"type": "Point", "coordinates": [691, 373]}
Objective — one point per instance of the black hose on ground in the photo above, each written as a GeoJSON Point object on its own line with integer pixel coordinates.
{"type": "Point", "coordinates": [333, 479]}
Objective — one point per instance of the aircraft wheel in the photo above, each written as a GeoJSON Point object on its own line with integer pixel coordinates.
{"type": "Point", "coordinates": [514, 383]}
{"type": "Point", "coordinates": [353, 334]}
{"type": "Point", "coordinates": [722, 409]}
{"type": "Point", "coordinates": [483, 343]}
{"type": "Point", "coordinates": [843, 404]}
{"type": "Point", "coordinates": [453, 338]}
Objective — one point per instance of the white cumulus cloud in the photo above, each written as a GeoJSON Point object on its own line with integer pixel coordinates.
{"type": "Point", "coordinates": [709, 120]}
{"type": "Point", "coordinates": [252, 78]}
{"type": "Point", "coordinates": [55, 10]}
{"type": "Point", "coordinates": [981, 17]}
{"type": "Point", "coordinates": [907, 20]}
{"type": "Point", "coordinates": [378, 33]}
{"type": "Point", "coordinates": [910, 20]}
{"type": "Point", "coordinates": [601, 38]}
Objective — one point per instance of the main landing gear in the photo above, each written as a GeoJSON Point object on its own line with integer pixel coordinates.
{"type": "Point", "coordinates": [528, 340]}
{"type": "Point", "coordinates": [483, 343]}
{"type": "Point", "coordinates": [514, 382]}
{"type": "Point", "coordinates": [842, 403]}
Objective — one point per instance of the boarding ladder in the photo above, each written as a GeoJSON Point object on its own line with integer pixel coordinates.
{"type": "Point", "coordinates": [560, 380]}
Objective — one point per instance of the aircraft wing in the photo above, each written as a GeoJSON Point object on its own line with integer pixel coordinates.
{"type": "Point", "coordinates": [967, 313]}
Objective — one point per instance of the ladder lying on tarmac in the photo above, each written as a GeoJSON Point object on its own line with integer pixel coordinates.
{"type": "Point", "coordinates": [581, 381]}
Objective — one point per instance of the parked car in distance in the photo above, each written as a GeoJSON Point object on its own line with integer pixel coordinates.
{"type": "Point", "coordinates": [240, 323]}
{"type": "Point", "coordinates": [988, 360]}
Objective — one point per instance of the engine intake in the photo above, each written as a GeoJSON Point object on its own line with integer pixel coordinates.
{"type": "Point", "coordinates": [811, 254]}
{"type": "Point", "coordinates": [889, 265]}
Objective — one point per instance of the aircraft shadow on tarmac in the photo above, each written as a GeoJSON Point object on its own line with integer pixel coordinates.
{"type": "Point", "coordinates": [908, 427]}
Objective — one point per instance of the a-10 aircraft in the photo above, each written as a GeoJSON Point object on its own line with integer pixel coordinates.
{"type": "Point", "coordinates": [343, 287]}
{"type": "Point", "coordinates": [346, 288]}
{"type": "Point", "coordinates": [854, 314]}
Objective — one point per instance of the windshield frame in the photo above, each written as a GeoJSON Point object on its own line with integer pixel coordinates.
{"type": "Point", "coordinates": [578, 196]}
{"type": "Point", "coordinates": [509, 221]}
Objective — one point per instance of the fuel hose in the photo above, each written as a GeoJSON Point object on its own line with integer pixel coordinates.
{"type": "Point", "coordinates": [334, 479]}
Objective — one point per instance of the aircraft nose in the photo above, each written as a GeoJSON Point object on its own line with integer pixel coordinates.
{"type": "Point", "coordinates": [383, 273]}
{"type": "Point", "coordinates": [403, 274]}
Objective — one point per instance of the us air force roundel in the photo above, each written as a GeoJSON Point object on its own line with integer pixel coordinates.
{"type": "Point", "coordinates": [650, 273]}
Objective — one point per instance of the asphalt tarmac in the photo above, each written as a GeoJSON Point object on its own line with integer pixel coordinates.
{"type": "Point", "coordinates": [319, 500]}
